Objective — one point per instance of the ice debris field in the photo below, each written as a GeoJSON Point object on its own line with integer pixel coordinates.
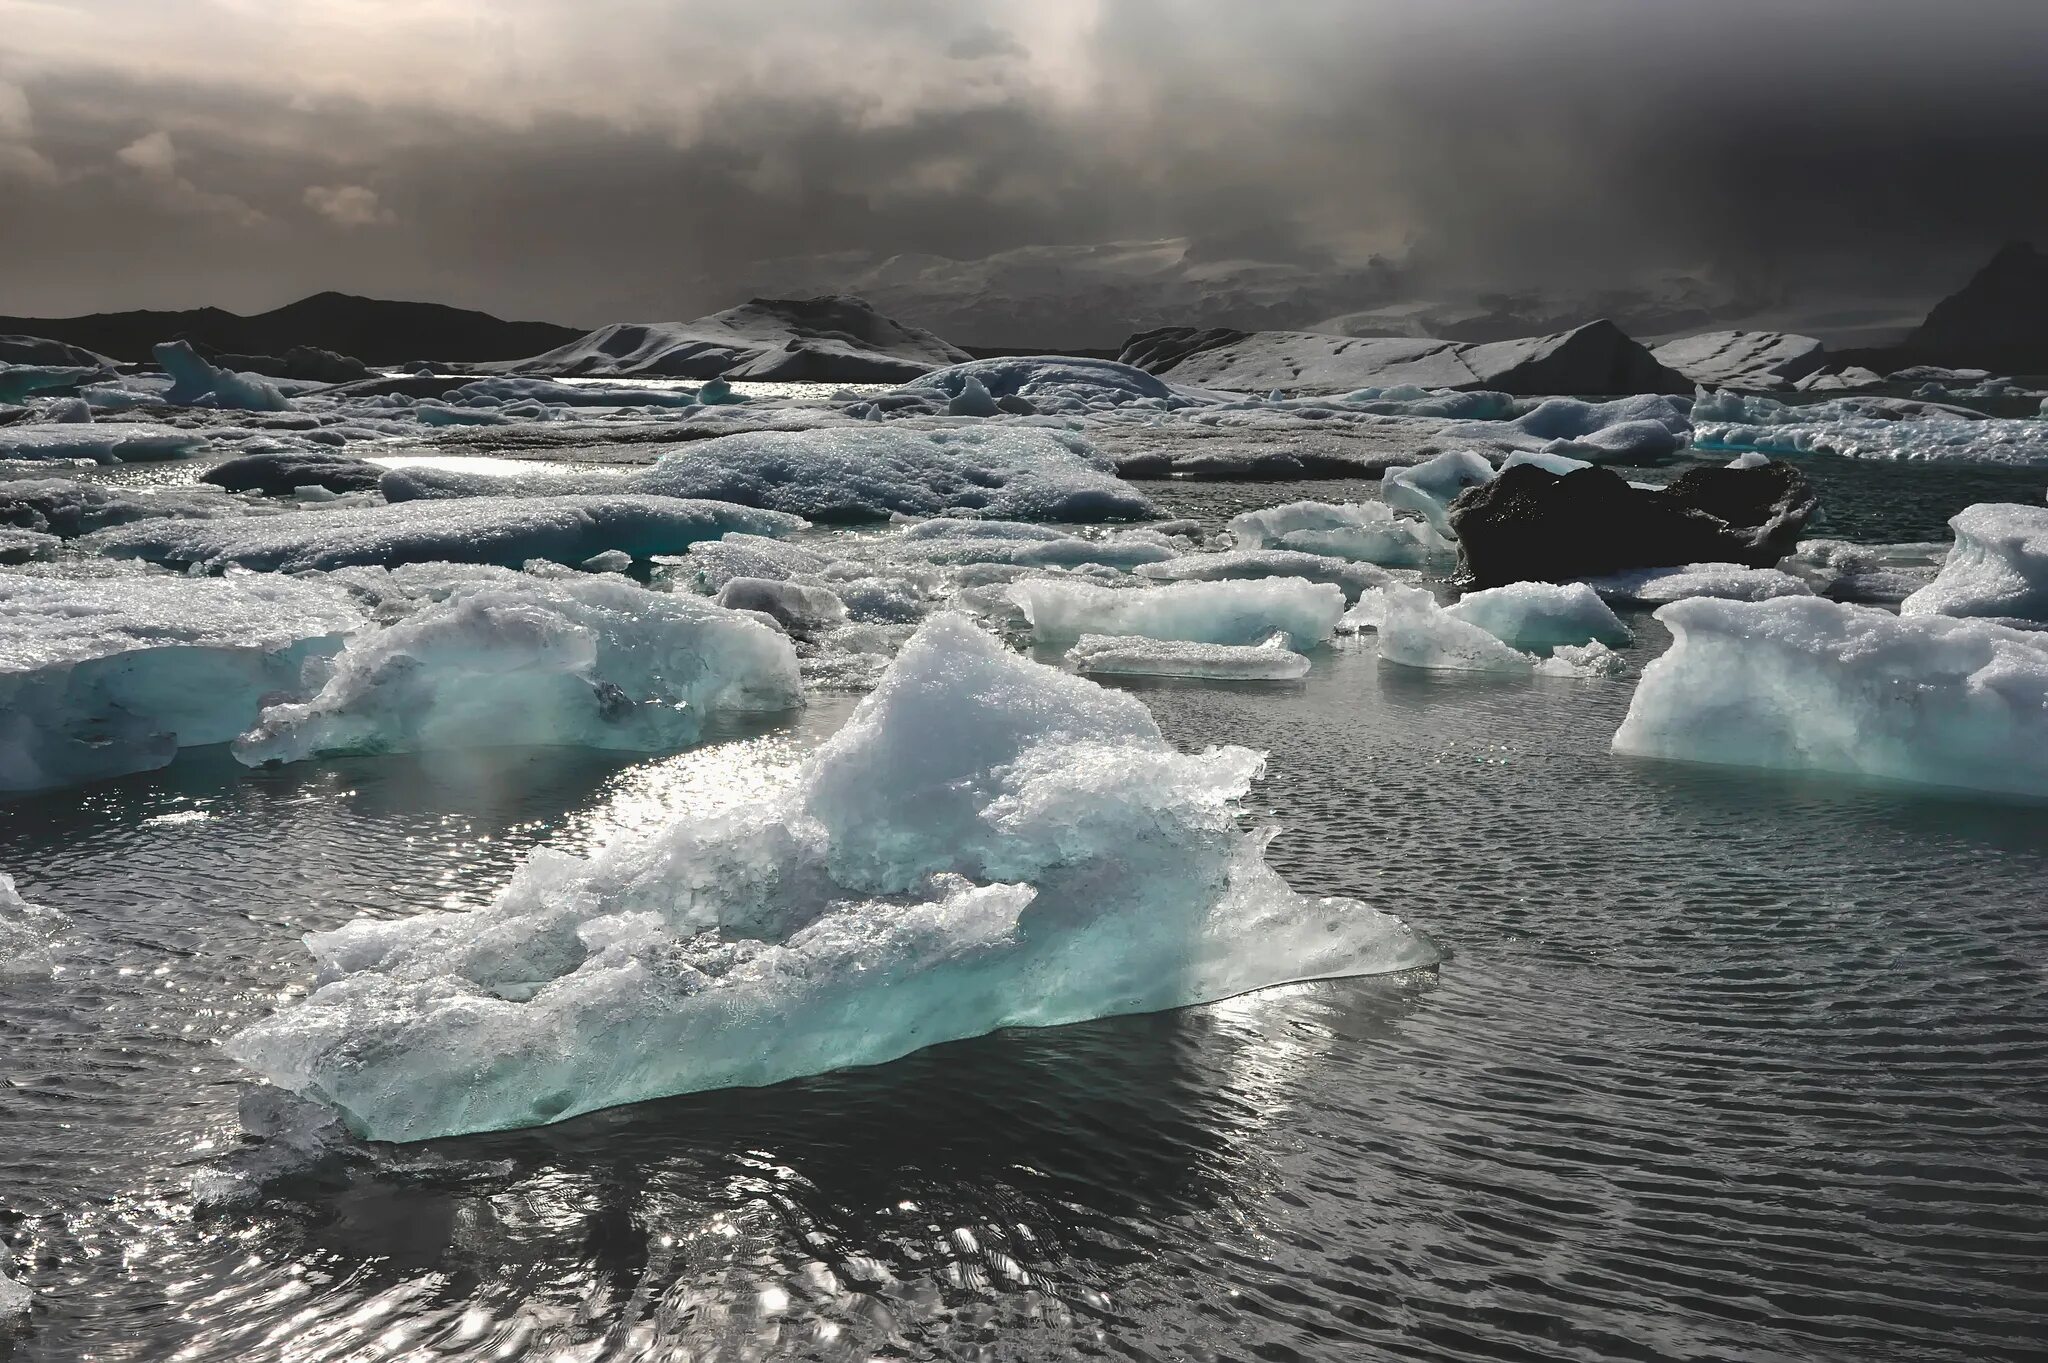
{"type": "Point", "coordinates": [993, 557]}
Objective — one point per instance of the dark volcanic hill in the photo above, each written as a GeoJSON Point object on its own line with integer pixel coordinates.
{"type": "Point", "coordinates": [1998, 321]}
{"type": "Point", "coordinates": [373, 330]}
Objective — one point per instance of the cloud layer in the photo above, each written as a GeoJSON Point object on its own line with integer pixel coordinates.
{"type": "Point", "coordinates": [611, 158]}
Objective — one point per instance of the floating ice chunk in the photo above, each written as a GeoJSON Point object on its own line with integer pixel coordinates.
{"type": "Point", "coordinates": [66, 507]}
{"type": "Point", "coordinates": [1060, 385]}
{"type": "Point", "coordinates": [106, 676]}
{"type": "Point", "coordinates": [17, 381]}
{"type": "Point", "coordinates": [1367, 532]}
{"type": "Point", "coordinates": [28, 933]}
{"type": "Point", "coordinates": [1867, 428]}
{"type": "Point", "coordinates": [793, 605]}
{"type": "Point", "coordinates": [1871, 573]}
{"type": "Point", "coordinates": [1416, 632]}
{"type": "Point", "coordinates": [987, 843]}
{"type": "Point", "coordinates": [26, 546]}
{"type": "Point", "coordinates": [1998, 568]}
{"type": "Point", "coordinates": [280, 474]}
{"type": "Point", "coordinates": [103, 442]}
{"type": "Point", "coordinates": [519, 660]}
{"type": "Point", "coordinates": [194, 380]}
{"type": "Point", "coordinates": [1806, 684]}
{"type": "Point", "coordinates": [1725, 581]}
{"type": "Point", "coordinates": [972, 400]}
{"type": "Point", "coordinates": [502, 392]}
{"type": "Point", "coordinates": [1199, 612]}
{"type": "Point", "coordinates": [1430, 487]}
{"type": "Point", "coordinates": [712, 564]}
{"type": "Point", "coordinates": [1252, 564]}
{"type": "Point", "coordinates": [610, 561]}
{"type": "Point", "coordinates": [1131, 656]}
{"type": "Point", "coordinates": [1749, 459]}
{"type": "Point", "coordinates": [948, 528]}
{"type": "Point", "coordinates": [507, 531]}
{"type": "Point", "coordinates": [15, 1298]}
{"type": "Point", "coordinates": [1583, 661]}
{"type": "Point", "coordinates": [1537, 617]}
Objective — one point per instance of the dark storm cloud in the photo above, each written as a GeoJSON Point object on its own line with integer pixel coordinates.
{"type": "Point", "coordinates": [619, 157]}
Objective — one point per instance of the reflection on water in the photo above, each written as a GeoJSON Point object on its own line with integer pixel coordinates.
{"type": "Point", "coordinates": [1723, 1064]}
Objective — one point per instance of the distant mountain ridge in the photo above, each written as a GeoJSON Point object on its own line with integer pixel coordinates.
{"type": "Point", "coordinates": [373, 330]}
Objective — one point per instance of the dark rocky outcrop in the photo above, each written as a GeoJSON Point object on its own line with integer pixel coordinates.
{"type": "Point", "coordinates": [1997, 321]}
{"type": "Point", "coordinates": [377, 330]}
{"type": "Point", "coordinates": [278, 475]}
{"type": "Point", "coordinates": [1532, 525]}
{"type": "Point", "coordinates": [308, 363]}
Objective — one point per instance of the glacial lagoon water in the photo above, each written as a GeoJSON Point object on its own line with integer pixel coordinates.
{"type": "Point", "coordinates": [1722, 1065]}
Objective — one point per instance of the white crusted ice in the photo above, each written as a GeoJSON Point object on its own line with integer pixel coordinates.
{"type": "Point", "coordinates": [1726, 581]}
{"type": "Point", "coordinates": [511, 659]}
{"type": "Point", "coordinates": [506, 531]}
{"type": "Point", "coordinates": [1536, 617]}
{"type": "Point", "coordinates": [1132, 656]}
{"type": "Point", "coordinates": [987, 843]}
{"type": "Point", "coordinates": [103, 676]}
{"type": "Point", "coordinates": [1253, 564]}
{"type": "Point", "coordinates": [1998, 567]}
{"type": "Point", "coordinates": [1229, 612]}
{"type": "Point", "coordinates": [1807, 684]}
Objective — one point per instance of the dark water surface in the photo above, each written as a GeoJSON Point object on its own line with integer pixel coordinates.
{"type": "Point", "coordinates": [1723, 1065]}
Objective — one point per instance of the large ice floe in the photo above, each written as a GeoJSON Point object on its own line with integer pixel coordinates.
{"type": "Point", "coordinates": [1038, 854]}
{"type": "Point", "coordinates": [104, 676]}
{"type": "Point", "coordinates": [1228, 612]}
{"type": "Point", "coordinates": [1998, 567]}
{"type": "Point", "coordinates": [852, 474]}
{"type": "Point", "coordinates": [496, 658]}
{"type": "Point", "coordinates": [1867, 428]}
{"type": "Point", "coordinates": [1139, 657]}
{"type": "Point", "coordinates": [102, 442]}
{"type": "Point", "coordinates": [506, 531]}
{"type": "Point", "coordinates": [1808, 684]}
{"type": "Point", "coordinates": [1367, 532]}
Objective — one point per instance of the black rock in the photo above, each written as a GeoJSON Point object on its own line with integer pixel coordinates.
{"type": "Point", "coordinates": [276, 475]}
{"type": "Point", "coordinates": [1532, 525]}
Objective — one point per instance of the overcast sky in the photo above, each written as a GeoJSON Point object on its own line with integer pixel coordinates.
{"type": "Point", "coordinates": [587, 160]}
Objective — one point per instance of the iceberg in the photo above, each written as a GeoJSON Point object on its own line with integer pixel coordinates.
{"type": "Point", "coordinates": [195, 380]}
{"type": "Point", "coordinates": [105, 676]}
{"type": "Point", "coordinates": [1803, 684]}
{"type": "Point", "coordinates": [1416, 632]}
{"type": "Point", "coordinates": [506, 531]}
{"type": "Point", "coordinates": [1132, 656]}
{"type": "Point", "coordinates": [712, 564]}
{"type": "Point", "coordinates": [1252, 564]}
{"type": "Point", "coordinates": [510, 659]}
{"type": "Point", "coordinates": [101, 442]}
{"type": "Point", "coordinates": [1998, 567]}
{"type": "Point", "coordinates": [17, 381]}
{"type": "Point", "coordinates": [1538, 617]}
{"type": "Point", "coordinates": [283, 473]}
{"type": "Point", "coordinates": [987, 843]}
{"type": "Point", "coordinates": [28, 933]}
{"type": "Point", "coordinates": [1873, 574]}
{"type": "Point", "coordinates": [1230, 612]}
{"type": "Point", "coordinates": [1430, 487]}
{"type": "Point", "coordinates": [67, 507]}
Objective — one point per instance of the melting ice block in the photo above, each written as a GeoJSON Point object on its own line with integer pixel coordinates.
{"type": "Point", "coordinates": [194, 379]}
{"type": "Point", "coordinates": [1230, 612]}
{"type": "Point", "coordinates": [1416, 632]}
{"type": "Point", "coordinates": [512, 659]}
{"type": "Point", "coordinates": [1723, 581]}
{"type": "Point", "coordinates": [1430, 487]}
{"type": "Point", "coordinates": [27, 932]}
{"type": "Point", "coordinates": [1998, 567]}
{"type": "Point", "coordinates": [1807, 684]}
{"type": "Point", "coordinates": [105, 676]}
{"type": "Point", "coordinates": [1368, 532]}
{"type": "Point", "coordinates": [1536, 617]}
{"type": "Point", "coordinates": [506, 531]}
{"type": "Point", "coordinates": [987, 843]}
{"type": "Point", "coordinates": [1132, 656]}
